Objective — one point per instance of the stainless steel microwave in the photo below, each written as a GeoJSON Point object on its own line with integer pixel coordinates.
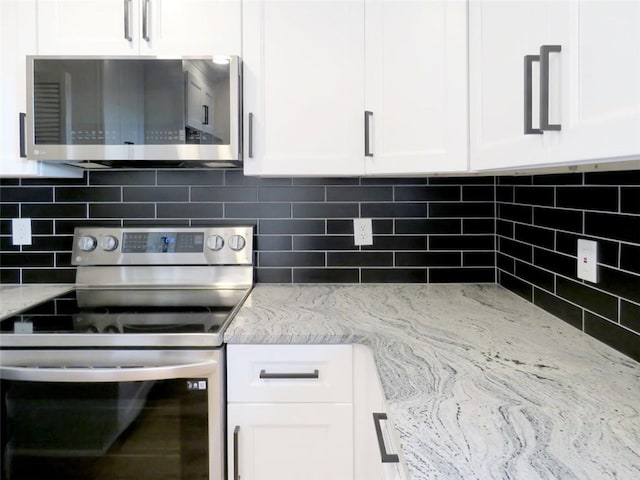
{"type": "Point", "coordinates": [134, 111]}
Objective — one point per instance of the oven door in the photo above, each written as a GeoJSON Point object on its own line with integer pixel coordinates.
{"type": "Point", "coordinates": [113, 415]}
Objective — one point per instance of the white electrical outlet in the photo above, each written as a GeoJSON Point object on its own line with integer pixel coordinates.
{"type": "Point", "coordinates": [21, 231]}
{"type": "Point", "coordinates": [362, 231]}
{"type": "Point", "coordinates": [588, 260]}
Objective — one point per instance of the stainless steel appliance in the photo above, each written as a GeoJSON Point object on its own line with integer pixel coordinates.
{"type": "Point", "coordinates": [133, 111]}
{"type": "Point", "coordinates": [123, 377]}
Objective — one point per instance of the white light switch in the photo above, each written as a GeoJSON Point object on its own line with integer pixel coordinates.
{"type": "Point", "coordinates": [21, 231]}
{"type": "Point", "coordinates": [588, 260]}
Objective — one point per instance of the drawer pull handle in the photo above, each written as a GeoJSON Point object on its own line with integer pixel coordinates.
{"type": "Point", "coordinates": [289, 376]}
{"type": "Point", "coordinates": [386, 457]}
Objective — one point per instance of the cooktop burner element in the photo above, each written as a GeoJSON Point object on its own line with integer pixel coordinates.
{"type": "Point", "coordinates": [152, 288]}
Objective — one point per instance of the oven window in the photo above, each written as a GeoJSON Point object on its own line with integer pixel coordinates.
{"type": "Point", "coordinates": [111, 431]}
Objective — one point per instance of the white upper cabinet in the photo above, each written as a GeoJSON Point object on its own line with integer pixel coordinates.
{"type": "Point", "coordinates": [554, 82]}
{"type": "Point", "coordinates": [501, 33]}
{"type": "Point", "coordinates": [18, 39]}
{"type": "Point", "coordinates": [416, 86]}
{"type": "Point", "coordinates": [600, 75]}
{"type": "Point", "coordinates": [371, 87]}
{"type": "Point", "coordinates": [139, 27]}
{"type": "Point", "coordinates": [303, 87]}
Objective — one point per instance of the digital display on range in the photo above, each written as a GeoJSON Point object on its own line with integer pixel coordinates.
{"type": "Point", "coordinates": [163, 242]}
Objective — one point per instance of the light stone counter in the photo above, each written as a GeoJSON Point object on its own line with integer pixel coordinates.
{"type": "Point", "coordinates": [480, 384]}
{"type": "Point", "coordinates": [15, 298]}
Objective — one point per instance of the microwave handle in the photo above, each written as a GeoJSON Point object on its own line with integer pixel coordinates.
{"type": "Point", "coordinates": [99, 375]}
{"type": "Point", "coordinates": [23, 147]}
{"type": "Point", "coordinates": [250, 135]}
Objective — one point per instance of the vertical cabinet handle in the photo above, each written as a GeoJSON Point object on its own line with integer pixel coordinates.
{"type": "Point", "coordinates": [528, 95]}
{"type": "Point", "coordinates": [385, 456]}
{"type": "Point", "coordinates": [205, 114]}
{"type": "Point", "coordinates": [367, 133]}
{"type": "Point", "coordinates": [127, 20]}
{"type": "Point", "coordinates": [23, 147]}
{"type": "Point", "coordinates": [145, 20]}
{"type": "Point", "coordinates": [250, 134]}
{"type": "Point", "coordinates": [236, 431]}
{"type": "Point", "coordinates": [545, 50]}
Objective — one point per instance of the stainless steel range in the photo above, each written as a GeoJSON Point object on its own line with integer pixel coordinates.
{"type": "Point", "coordinates": [124, 377]}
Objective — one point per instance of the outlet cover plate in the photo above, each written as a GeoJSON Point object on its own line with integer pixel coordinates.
{"type": "Point", "coordinates": [362, 231]}
{"type": "Point", "coordinates": [21, 231]}
{"type": "Point", "coordinates": [588, 260]}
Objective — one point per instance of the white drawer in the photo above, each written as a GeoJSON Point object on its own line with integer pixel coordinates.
{"type": "Point", "coordinates": [290, 373]}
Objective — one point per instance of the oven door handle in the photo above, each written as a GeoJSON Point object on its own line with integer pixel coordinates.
{"type": "Point", "coordinates": [108, 374]}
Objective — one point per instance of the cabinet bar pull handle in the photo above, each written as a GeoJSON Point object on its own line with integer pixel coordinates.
{"type": "Point", "coordinates": [127, 20]}
{"type": "Point", "coordinates": [367, 133]}
{"type": "Point", "coordinates": [385, 456]}
{"type": "Point", "coordinates": [145, 20]}
{"type": "Point", "coordinates": [545, 50]}
{"type": "Point", "coordinates": [23, 147]}
{"type": "Point", "coordinates": [236, 431]}
{"type": "Point", "coordinates": [528, 95]}
{"type": "Point", "coordinates": [289, 376]}
{"type": "Point", "coordinates": [205, 114]}
{"type": "Point", "coordinates": [250, 135]}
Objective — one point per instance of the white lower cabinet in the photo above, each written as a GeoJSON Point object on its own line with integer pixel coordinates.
{"type": "Point", "coordinates": [307, 412]}
{"type": "Point", "coordinates": [290, 441]}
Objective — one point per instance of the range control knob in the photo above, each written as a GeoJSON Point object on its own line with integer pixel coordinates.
{"type": "Point", "coordinates": [109, 243]}
{"type": "Point", "coordinates": [237, 243]}
{"type": "Point", "coordinates": [87, 243]}
{"type": "Point", "coordinates": [215, 243]}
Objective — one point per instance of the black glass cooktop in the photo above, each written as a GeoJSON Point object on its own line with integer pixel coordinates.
{"type": "Point", "coordinates": [63, 315]}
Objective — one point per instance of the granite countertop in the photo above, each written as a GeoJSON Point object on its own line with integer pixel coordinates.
{"type": "Point", "coordinates": [480, 384]}
{"type": "Point", "coordinates": [15, 298]}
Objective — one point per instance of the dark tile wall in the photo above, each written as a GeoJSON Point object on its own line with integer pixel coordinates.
{"type": "Point", "coordinates": [425, 230]}
{"type": "Point", "coordinates": [539, 220]}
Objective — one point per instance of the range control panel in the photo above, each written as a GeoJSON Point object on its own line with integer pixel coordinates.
{"type": "Point", "coordinates": [227, 245]}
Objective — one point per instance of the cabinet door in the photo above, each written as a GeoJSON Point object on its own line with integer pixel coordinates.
{"type": "Point", "coordinates": [303, 87]}
{"type": "Point", "coordinates": [600, 72]}
{"type": "Point", "coordinates": [88, 27]}
{"type": "Point", "coordinates": [368, 398]}
{"type": "Point", "coordinates": [416, 86]}
{"type": "Point", "coordinates": [501, 33]}
{"type": "Point", "coordinates": [190, 27]}
{"type": "Point", "coordinates": [290, 441]}
{"type": "Point", "coordinates": [18, 39]}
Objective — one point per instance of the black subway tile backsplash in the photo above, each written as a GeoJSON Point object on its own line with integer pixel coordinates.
{"type": "Point", "coordinates": [326, 275]}
{"type": "Point", "coordinates": [615, 227]}
{"type": "Point", "coordinates": [613, 335]}
{"type": "Point", "coordinates": [600, 206]}
{"type": "Point", "coordinates": [568, 312]}
{"type": "Point", "coordinates": [630, 258]}
{"type": "Point", "coordinates": [541, 237]}
{"type": "Point", "coordinates": [522, 229]}
{"type": "Point", "coordinates": [394, 275]}
{"type": "Point", "coordinates": [630, 200]}
{"type": "Point", "coordinates": [588, 198]}
{"type": "Point", "coordinates": [630, 315]}
{"type": "Point", "coordinates": [535, 195]}
{"type": "Point", "coordinates": [429, 193]}
{"type": "Point", "coordinates": [566, 220]}
{"type": "Point", "coordinates": [86, 194]}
